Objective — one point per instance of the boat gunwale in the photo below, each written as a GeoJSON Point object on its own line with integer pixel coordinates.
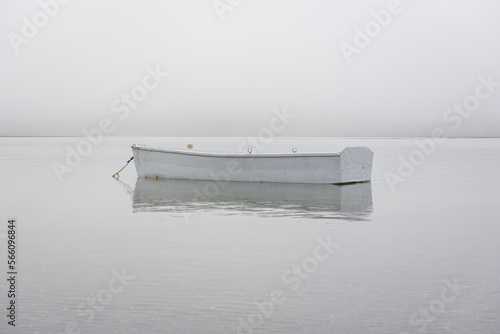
{"type": "Point", "coordinates": [235, 155]}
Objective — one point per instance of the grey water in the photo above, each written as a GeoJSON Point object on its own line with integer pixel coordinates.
{"type": "Point", "coordinates": [100, 255]}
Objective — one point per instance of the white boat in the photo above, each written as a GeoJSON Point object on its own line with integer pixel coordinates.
{"type": "Point", "coordinates": [351, 164]}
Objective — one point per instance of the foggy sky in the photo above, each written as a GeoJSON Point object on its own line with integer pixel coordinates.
{"type": "Point", "coordinates": [226, 76]}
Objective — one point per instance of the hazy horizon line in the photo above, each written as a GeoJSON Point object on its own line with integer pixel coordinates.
{"type": "Point", "coordinates": [284, 137]}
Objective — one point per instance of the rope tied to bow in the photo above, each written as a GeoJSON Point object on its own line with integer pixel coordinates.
{"type": "Point", "coordinates": [117, 175]}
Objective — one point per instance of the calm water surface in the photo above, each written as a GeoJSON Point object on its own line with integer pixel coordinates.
{"type": "Point", "coordinates": [99, 255]}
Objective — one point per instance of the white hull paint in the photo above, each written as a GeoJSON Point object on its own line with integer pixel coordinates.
{"type": "Point", "coordinates": [352, 164]}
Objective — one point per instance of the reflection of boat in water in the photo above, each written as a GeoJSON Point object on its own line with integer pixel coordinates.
{"type": "Point", "coordinates": [349, 202]}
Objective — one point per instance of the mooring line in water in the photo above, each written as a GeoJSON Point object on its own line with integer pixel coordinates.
{"type": "Point", "coordinates": [118, 175]}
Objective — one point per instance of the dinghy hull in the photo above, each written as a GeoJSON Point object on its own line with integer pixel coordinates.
{"type": "Point", "coordinates": [352, 164]}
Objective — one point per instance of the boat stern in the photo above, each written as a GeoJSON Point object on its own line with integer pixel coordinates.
{"type": "Point", "coordinates": [356, 164]}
